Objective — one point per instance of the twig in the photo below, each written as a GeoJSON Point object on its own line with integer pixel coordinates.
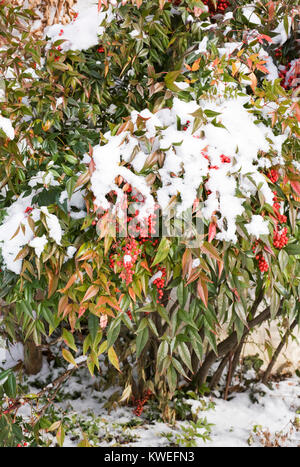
{"type": "Point", "coordinates": [277, 352]}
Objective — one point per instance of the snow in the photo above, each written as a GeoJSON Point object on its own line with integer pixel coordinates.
{"type": "Point", "coordinates": [39, 243]}
{"type": "Point", "coordinates": [84, 31]}
{"type": "Point", "coordinates": [282, 34]}
{"type": "Point", "coordinates": [15, 216]}
{"type": "Point", "coordinates": [272, 409]}
{"type": "Point", "coordinates": [241, 140]}
{"type": "Point", "coordinates": [55, 230]}
{"type": "Point", "coordinates": [127, 259]}
{"type": "Point", "coordinates": [71, 250]}
{"type": "Point", "coordinates": [234, 419]}
{"type": "Point", "coordinates": [196, 263]}
{"type": "Point", "coordinates": [107, 160]}
{"type": "Point", "coordinates": [271, 67]}
{"type": "Point", "coordinates": [258, 226]}
{"type": "Point", "coordinates": [14, 354]}
{"type": "Point", "coordinates": [78, 360]}
{"type": "Point", "coordinates": [6, 126]}
{"type": "Point", "coordinates": [248, 12]}
{"type": "Point", "coordinates": [43, 178]}
{"type": "Point", "coordinates": [76, 201]}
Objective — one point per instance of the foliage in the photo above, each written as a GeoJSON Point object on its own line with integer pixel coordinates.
{"type": "Point", "coordinates": [62, 105]}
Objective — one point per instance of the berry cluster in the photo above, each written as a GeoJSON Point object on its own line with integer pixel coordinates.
{"type": "Point", "coordinates": [186, 125]}
{"type": "Point", "coordinates": [281, 218]}
{"type": "Point", "coordinates": [262, 263]}
{"type": "Point", "coordinates": [280, 238]}
{"type": "Point", "coordinates": [254, 246]}
{"type": "Point", "coordinates": [126, 259]}
{"type": "Point", "coordinates": [21, 445]}
{"type": "Point", "coordinates": [283, 71]}
{"type": "Point", "coordinates": [100, 50]}
{"type": "Point", "coordinates": [221, 6]}
{"type": "Point", "coordinates": [160, 283]}
{"type": "Point", "coordinates": [225, 159]}
{"type": "Point", "coordinates": [28, 210]}
{"type": "Point", "coordinates": [128, 312]}
{"type": "Point", "coordinates": [273, 175]}
{"type": "Point", "coordinates": [175, 2]}
{"type": "Point", "coordinates": [140, 403]}
{"type": "Point", "coordinates": [278, 53]}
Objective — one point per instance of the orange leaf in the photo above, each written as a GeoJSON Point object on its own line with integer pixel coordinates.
{"type": "Point", "coordinates": [69, 283]}
{"type": "Point", "coordinates": [193, 276]}
{"type": "Point", "coordinates": [296, 108]}
{"type": "Point", "coordinates": [88, 269]}
{"type": "Point", "coordinates": [186, 262]}
{"type": "Point", "coordinates": [144, 265]}
{"type": "Point", "coordinates": [196, 65]}
{"type": "Point", "coordinates": [202, 291]}
{"type": "Point", "coordinates": [63, 302]}
{"type": "Point", "coordinates": [52, 282]}
{"type": "Point", "coordinates": [90, 293]}
{"type": "Point", "coordinates": [131, 293]}
{"type": "Point", "coordinates": [253, 81]}
{"type": "Point", "coordinates": [235, 67]}
{"type": "Point", "coordinates": [271, 10]}
{"type": "Point", "coordinates": [188, 67]}
{"type": "Point", "coordinates": [220, 266]}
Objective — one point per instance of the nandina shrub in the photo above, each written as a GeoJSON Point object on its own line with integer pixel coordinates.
{"type": "Point", "coordinates": [196, 129]}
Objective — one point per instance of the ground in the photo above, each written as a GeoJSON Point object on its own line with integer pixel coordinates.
{"type": "Point", "coordinates": [253, 415]}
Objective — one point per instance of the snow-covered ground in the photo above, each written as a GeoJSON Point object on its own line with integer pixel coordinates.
{"type": "Point", "coordinates": [257, 416]}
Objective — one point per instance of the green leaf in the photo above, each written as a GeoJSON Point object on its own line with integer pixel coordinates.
{"type": "Point", "coordinates": [179, 368]}
{"type": "Point", "coordinates": [70, 185]}
{"type": "Point", "coordinates": [10, 386]}
{"type": "Point", "coordinates": [286, 24]}
{"type": "Point", "coordinates": [172, 378]}
{"type": "Point", "coordinates": [69, 339]}
{"type": "Point", "coordinates": [182, 294]}
{"type": "Point", "coordinates": [170, 78]}
{"type": "Point", "coordinates": [113, 333]}
{"type": "Point", "coordinates": [141, 340]}
{"type": "Point", "coordinates": [113, 358]}
{"type": "Point", "coordinates": [60, 436]}
{"type": "Point", "coordinates": [93, 326]}
{"type": "Point", "coordinates": [4, 374]}
{"type": "Point", "coordinates": [69, 357]}
{"type": "Point", "coordinates": [283, 259]}
{"type": "Point", "coordinates": [274, 305]}
{"type": "Point", "coordinates": [211, 113]}
{"type": "Point", "coordinates": [47, 197]}
{"type": "Point", "coordinates": [293, 249]}
{"type": "Point", "coordinates": [185, 355]}
{"type": "Point", "coordinates": [162, 251]}
{"type": "Point", "coordinates": [162, 352]}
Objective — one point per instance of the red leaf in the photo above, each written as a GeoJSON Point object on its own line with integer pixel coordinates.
{"type": "Point", "coordinates": [90, 293]}
{"type": "Point", "coordinates": [212, 230]}
{"type": "Point", "coordinates": [264, 36]}
{"type": "Point", "coordinates": [296, 186]}
{"type": "Point", "coordinates": [202, 291]}
{"type": "Point", "coordinates": [220, 266]}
